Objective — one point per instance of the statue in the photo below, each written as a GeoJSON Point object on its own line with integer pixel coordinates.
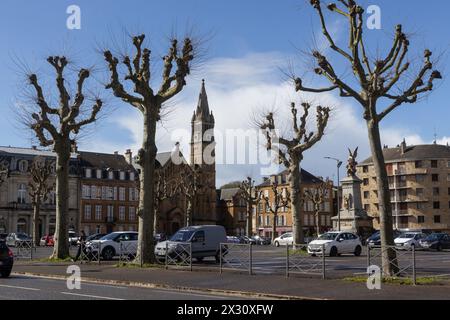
{"type": "Point", "coordinates": [351, 162]}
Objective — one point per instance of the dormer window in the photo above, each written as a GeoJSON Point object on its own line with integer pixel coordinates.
{"type": "Point", "coordinates": [23, 166]}
{"type": "Point", "coordinates": [132, 176]}
{"type": "Point", "coordinates": [99, 174]}
{"type": "Point", "coordinates": [111, 175]}
{"type": "Point", "coordinates": [88, 173]}
{"type": "Point", "coordinates": [122, 175]}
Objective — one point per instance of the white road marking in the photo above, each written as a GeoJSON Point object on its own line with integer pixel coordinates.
{"type": "Point", "coordinates": [90, 296]}
{"type": "Point", "coordinates": [22, 288]}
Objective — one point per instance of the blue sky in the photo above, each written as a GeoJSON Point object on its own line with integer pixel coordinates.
{"type": "Point", "coordinates": [249, 41]}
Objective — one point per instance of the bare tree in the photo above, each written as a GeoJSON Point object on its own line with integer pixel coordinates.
{"type": "Point", "coordinates": [291, 154]}
{"type": "Point", "coordinates": [188, 184]}
{"type": "Point", "coordinates": [250, 196]}
{"type": "Point", "coordinates": [280, 200]}
{"type": "Point", "coordinates": [57, 127]}
{"type": "Point", "coordinates": [39, 187]}
{"type": "Point", "coordinates": [149, 103]}
{"type": "Point", "coordinates": [317, 195]}
{"type": "Point", "coordinates": [377, 81]}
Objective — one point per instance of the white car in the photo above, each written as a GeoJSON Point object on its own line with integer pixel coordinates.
{"type": "Point", "coordinates": [73, 238]}
{"type": "Point", "coordinates": [336, 243]}
{"type": "Point", "coordinates": [114, 244]}
{"type": "Point", "coordinates": [409, 239]}
{"type": "Point", "coordinates": [284, 240]}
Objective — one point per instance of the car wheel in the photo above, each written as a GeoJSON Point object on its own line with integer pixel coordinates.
{"type": "Point", "coordinates": [333, 252]}
{"type": "Point", "coordinates": [277, 244]}
{"type": "Point", "coordinates": [108, 253]}
{"type": "Point", "coordinates": [5, 273]}
{"type": "Point", "coordinates": [358, 250]}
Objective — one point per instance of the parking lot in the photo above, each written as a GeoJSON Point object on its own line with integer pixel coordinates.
{"type": "Point", "coordinates": [272, 260]}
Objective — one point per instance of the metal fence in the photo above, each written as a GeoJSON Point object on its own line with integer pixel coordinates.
{"type": "Point", "coordinates": [128, 252]}
{"type": "Point", "coordinates": [88, 254]}
{"type": "Point", "coordinates": [178, 254]}
{"type": "Point", "coordinates": [298, 261]}
{"type": "Point", "coordinates": [23, 250]}
{"type": "Point", "coordinates": [236, 256]}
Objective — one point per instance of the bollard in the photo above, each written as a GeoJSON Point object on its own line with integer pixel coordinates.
{"type": "Point", "coordinates": [220, 259]}
{"type": "Point", "coordinates": [414, 265]}
{"type": "Point", "coordinates": [190, 256]}
{"type": "Point", "coordinates": [368, 256]}
{"type": "Point", "coordinates": [287, 260]}
{"type": "Point", "coordinates": [99, 252]}
{"type": "Point", "coordinates": [167, 250]}
{"type": "Point", "coordinates": [251, 260]}
{"type": "Point", "coordinates": [323, 262]}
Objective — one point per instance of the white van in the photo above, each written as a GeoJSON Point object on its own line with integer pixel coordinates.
{"type": "Point", "coordinates": [205, 242]}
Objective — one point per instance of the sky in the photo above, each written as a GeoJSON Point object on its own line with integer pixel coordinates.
{"type": "Point", "coordinates": [247, 46]}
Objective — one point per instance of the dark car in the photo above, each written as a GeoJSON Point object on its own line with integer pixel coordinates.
{"type": "Point", "coordinates": [375, 239]}
{"type": "Point", "coordinates": [247, 240]}
{"type": "Point", "coordinates": [436, 241]}
{"type": "Point", "coordinates": [262, 240]}
{"type": "Point", "coordinates": [6, 260]}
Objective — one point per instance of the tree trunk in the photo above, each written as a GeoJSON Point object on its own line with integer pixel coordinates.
{"type": "Point", "coordinates": [147, 156]}
{"type": "Point", "coordinates": [61, 248]}
{"type": "Point", "coordinates": [189, 212]}
{"type": "Point", "coordinates": [36, 213]}
{"type": "Point", "coordinates": [389, 264]}
{"type": "Point", "coordinates": [248, 224]}
{"type": "Point", "coordinates": [296, 205]}
{"type": "Point", "coordinates": [317, 223]}
{"type": "Point", "coordinates": [274, 226]}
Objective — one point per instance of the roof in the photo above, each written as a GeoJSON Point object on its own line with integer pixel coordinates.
{"type": "Point", "coordinates": [413, 153]}
{"type": "Point", "coordinates": [306, 177]}
{"type": "Point", "coordinates": [104, 161]}
{"type": "Point", "coordinates": [29, 152]}
{"type": "Point", "coordinates": [228, 194]}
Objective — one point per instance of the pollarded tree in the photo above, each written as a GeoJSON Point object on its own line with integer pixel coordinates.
{"type": "Point", "coordinates": [377, 87]}
{"type": "Point", "coordinates": [280, 199]}
{"type": "Point", "coordinates": [318, 195]}
{"type": "Point", "coordinates": [250, 196]}
{"type": "Point", "coordinates": [39, 188]}
{"type": "Point", "coordinates": [57, 127]}
{"type": "Point", "coordinates": [149, 103]}
{"type": "Point", "coordinates": [290, 153]}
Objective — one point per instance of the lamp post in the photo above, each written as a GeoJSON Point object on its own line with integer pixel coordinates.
{"type": "Point", "coordinates": [338, 165]}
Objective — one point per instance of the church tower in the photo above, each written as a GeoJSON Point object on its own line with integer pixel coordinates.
{"type": "Point", "coordinates": [203, 160]}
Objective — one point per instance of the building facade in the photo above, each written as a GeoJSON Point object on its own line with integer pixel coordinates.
{"type": "Point", "coordinates": [263, 218]}
{"type": "Point", "coordinates": [419, 183]}
{"type": "Point", "coordinates": [232, 209]}
{"type": "Point", "coordinates": [16, 210]}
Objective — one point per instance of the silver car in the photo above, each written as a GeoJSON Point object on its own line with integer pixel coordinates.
{"type": "Point", "coordinates": [18, 239]}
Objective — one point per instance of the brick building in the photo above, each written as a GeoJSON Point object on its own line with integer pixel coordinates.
{"type": "Point", "coordinates": [232, 209]}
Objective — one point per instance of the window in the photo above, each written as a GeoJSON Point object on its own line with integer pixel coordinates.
{"type": "Point", "coordinates": [448, 164]}
{"type": "Point", "coordinates": [267, 207]}
{"type": "Point", "coordinates": [435, 177]}
{"type": "Point", "coordinates": [87, 212]}
{"type": "Point", "coordinates": [111, 175]}
{"type": "Point", "coordinates": [133, 194]}
{"type": "Point", "coordinates": [448, 177]}
{"type": "Point", "coordinates": [110, 214]}
{"type": "Point", "coordinates": [367, 207]}
{"type": "Point", "coordinates": [419, 164]}
{"type": "Point", "coordinates": [404, 220]}
{"type": "Point", "coordinates": [435, 191]}
{"type": "Point", "coordinates": [94, 192]}
{"type": "Point", "coordinates": [366, 181]}
{"type": "Point", "coordinates": [88, 173]}
{"type": "Point", "coordinates": [86, 192]}
{"type": "Point", "coordinates": [436, 205]}
{"type": "Point", "coordinates": [434, 163]}
{"type": "Point", "coordinates": [366, 194]}
{"type": "Point", "coordinates": [366, 169]}
{"type": "Point", "coordinates": [420, 178]}
{"type": "Point", "coordinates": [23, 166]}
{"type": "Point", "coordinates": [420, 206]}
{"type": "Point", "coordinates": [421, 219]}
{"type": "Point", "coordinates": [22, 194]}
{"type": "Point", "coordinates": [419, 192]}
{"type": "Point", "coordinates": [98, 212]}
{"type": "Point", "coordinates": [266, 193]}
{"type": "Point", "coordinates": [99, 174]}
{"type": "Point", "coordinates": [281, 220]}
{"type": "Point", "coordinates": [122, 175]}
{"type": "Point", "coordinates": [52, 197]}
{"type": "Point", "coordinates": [199, 236]}
{"type": "Point", "coordinates": [259, 220]}
{"type": "Point", "coordinates": [122, 194]}
{"type": "Point", "coordinates": [437, 219]}
{"type": "Point", "coordinates": [267, 220]}
{"type": "Point", "coordinates": [122, 213]}
{"type": "Point", "coordinates": [132, 213]}
{"type": "Point", "coordinates": [132, 176]}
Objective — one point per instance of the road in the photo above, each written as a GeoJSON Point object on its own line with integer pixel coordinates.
{"type": "Point", "coordinates": [33, 288]}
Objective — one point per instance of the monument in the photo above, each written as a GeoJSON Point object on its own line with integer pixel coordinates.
{"type": "Point", "coordinates": [353, 217]}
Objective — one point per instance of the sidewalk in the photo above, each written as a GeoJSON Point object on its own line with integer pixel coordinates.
{"type": "Point", "coordinates": [265, 285]}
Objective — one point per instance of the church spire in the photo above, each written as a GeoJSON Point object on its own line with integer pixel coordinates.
{"type": "Point", "coordinates": [202, 111]}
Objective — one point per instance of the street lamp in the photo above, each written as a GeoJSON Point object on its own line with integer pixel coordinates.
{"type": "Point", "coordinates": [338, 165]}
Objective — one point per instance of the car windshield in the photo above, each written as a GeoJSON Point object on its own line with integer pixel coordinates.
{"type": "Point", "coordinates": [407, 236]}
{"type": "Point", "coordinates": [21, 236]}
{"type": "Point", "coordinates": [110, 236]}
{"type": "Point", "coordinates": [182, 236]}
{"type": "Point", "coordinates": [327, 236]}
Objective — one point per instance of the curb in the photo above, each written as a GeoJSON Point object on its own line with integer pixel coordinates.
{"type": "Point", "coordinates": [147, 285]}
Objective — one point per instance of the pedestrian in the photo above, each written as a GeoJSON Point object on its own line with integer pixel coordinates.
{"type": "Point", "coordinates": [81, 244]}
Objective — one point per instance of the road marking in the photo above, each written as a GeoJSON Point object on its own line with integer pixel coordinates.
{"type": "Point", "coordinates": [90, 296]}
{"type": "Point", "coordinates": [22, 288]}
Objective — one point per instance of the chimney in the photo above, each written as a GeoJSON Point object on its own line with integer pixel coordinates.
{"type": "Point", "coordinates": [116, 153]}
{"type": "Point", "coordinates": [33, 147]}
{"type": "Point", "coordinates": [129, 156]}
{"type": "Point", "coordinates": [403, 147]}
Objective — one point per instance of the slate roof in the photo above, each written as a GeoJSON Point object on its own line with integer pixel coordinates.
{"type": "Point", "coordinates": [104, 161]}
{"type": "Point", "coordinates": [228, 194]}
{"type": "Point", "coordinates": [306, 177]}
{"type": "Point", "coordinates": [33, 152]}
{"type": "Point", "coordinates": [413, 153]}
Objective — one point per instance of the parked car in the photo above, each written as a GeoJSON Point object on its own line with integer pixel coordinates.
{"type": "Point", "coordinates": [233, 239]}
{"type": "Point", "coordinates": [47, 241]}
{"type": "Point", "coordinates": [408, 240]}
{"type": "Point", "coordinates": [436, 241]}
{"type": "Point", "coordinates": [247, 240]}
{"type": "Point", "coordinates": [283, 240]}
{"type": "Point", "coordinates": [95, 236]}
{"type": "Point", "coordinates": [18, 239]}
{"type": "Point", "coordinates": [262, 241]}
{"type": "Point", "coordinates": [375, 239]}
{"type": "Point", "coordinates": [336, 243]}
{"type": "Point", "coordinates": [158, 237]}
{"type": "Point", "coordinates": [205, 242]}
{"type": "Point", "coordinates": [109, 245]}
{"type": "Point", "coordinates": [6, 260]}
{"type": "Point", "coordinates": [73, 238]}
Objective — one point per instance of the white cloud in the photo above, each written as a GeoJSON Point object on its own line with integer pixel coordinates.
{"type": "Point", "coordinates": [235, 87]}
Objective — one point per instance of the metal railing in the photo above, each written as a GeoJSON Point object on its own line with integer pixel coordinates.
{"type": "Point", "coordinates": [403, 265]}
{"type": "Point", "coordinates": [178, 254]}
{"type": "Point", "coordinates": [298, 261]}
{"type": "Point", "coordinates": [88, 254]}
{"type": "Point", "coordinates": [23, 250]}
{"type": "Point", "coordinates": [236, 256]}
{"type": "Point", "coordinates": [128, 252]}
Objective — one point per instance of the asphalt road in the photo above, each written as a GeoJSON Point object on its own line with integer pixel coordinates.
{"type": "Point", "coordinates": [33, 288]}
{"type": "Point", "coordinates": [272, 260]}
